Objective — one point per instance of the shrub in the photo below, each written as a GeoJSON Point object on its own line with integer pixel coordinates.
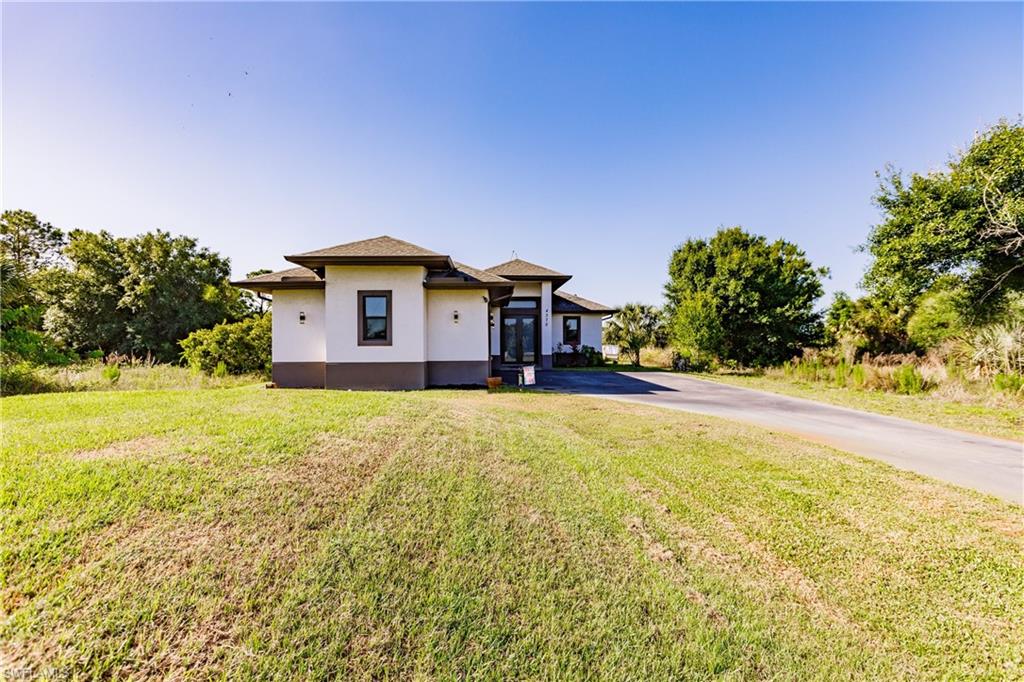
{"type": "Point", "coordinates": [221, 370]}
{"type": "Point", "coordinates": [907, 379]}
{"type": "Point", "coordinates": [21, 377]}
{"type": "Point", "coordinates": [997, 348]}
{"type": "Point", "coordinates": [840, 374]}
{"type": "Point", "coordinates": [112, 373]}
{"type": "Point", "coordinates": [1010, 383]}
{"type": "Point", "coordinates": [20, 338]}
{"type": "Point", "coordinates": [241, 347]}
{"type": "Point", "coordinates": [858, 375]}
{"type": "Point", "coordinates": [937, 317]}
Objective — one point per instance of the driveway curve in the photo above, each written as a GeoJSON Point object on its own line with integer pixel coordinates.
{"type": "Point", "coordinates": [990, 465]}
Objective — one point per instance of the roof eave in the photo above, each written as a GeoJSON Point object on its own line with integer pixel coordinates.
{"type": "Point", "coordinates": [556, 280]}
{"type": "Point", "coordinates": [268, 287]}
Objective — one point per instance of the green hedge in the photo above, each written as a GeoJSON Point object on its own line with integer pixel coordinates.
{"type": "Point", "coordinates": [238, 347]}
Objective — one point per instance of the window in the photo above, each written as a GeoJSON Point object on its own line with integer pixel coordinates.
{"type": "Point", "coordinates": [374, 318]}
{"type": "Point", "coordinates": [571, 330]}
{"type": "Point", "coordinates": [523, 303]}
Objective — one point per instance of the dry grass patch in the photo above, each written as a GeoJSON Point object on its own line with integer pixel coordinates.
{"type": "Point", "coordinates": [144, 446]}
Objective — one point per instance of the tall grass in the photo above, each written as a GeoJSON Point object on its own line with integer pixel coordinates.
{"type": "Point", "coordinates": [96, 376]}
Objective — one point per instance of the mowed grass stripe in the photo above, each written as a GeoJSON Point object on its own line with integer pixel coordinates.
{"type": "Point", "coordinates": [440, 534]}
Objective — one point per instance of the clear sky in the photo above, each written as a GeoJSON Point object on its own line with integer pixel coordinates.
{"type": "Point", "coordinates": [589, 138]}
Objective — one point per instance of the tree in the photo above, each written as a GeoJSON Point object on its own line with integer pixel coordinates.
{"type": "Point", "coordinates": [254, 300]}
{"type": "Point", "coordinates": [866, 325]}
{"type": "Point", "coordinates": [966, 222]}
{"type": "Point", "coordinates": [139, 295]}
{"type": "Point", "coordinates": [29, 250]}
{"type": "Point", "coordinates": [739, 297]}
{"type": "Point", "coordinates": [29, 244]}
{"type": "Point", "coordinates": [938, 315]}
{"type": "Point", "coordinates": [635, 327]}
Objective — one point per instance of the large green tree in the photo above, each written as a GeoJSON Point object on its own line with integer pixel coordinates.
{"type": "Point", "coordinates": [739, 297]}
{"type": "Point", "coordinates": [138, 295]}
{"type": "Point", "coordinates": [29, 252]}
{"type": "Point", "coordinates": [964, 222]}
{"type": "Point", "coordinates": [30, 244]}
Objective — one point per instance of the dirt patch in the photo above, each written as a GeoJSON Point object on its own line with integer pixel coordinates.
{"type": "Point", "coordinates": [125, 449]}
{"type": "Point", "coordinates": [652, 548]}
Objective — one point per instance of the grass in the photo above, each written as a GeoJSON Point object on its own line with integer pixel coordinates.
{"type": "Point", "coordinates": [90, 377]}
{"type": "Point", "coordinates": [319, 535]}
{"type": "Point", "coordinates": [1002, 418]}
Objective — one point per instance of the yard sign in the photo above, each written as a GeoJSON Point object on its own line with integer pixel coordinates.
{"type": "Point", "coordinates": [529, 378]}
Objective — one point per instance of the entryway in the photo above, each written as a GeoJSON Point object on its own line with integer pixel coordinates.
{"type": "Point", "coordinates": [520, 332]}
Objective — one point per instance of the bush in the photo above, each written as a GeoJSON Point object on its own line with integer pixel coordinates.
{"type": "Point", "coordinates": [577, 356]}
{"type": "Point", "coordinates": [21, 339]}
{"type": "Point", "coordinates": [1009, 383]}
{"type": "Point", "coordinates": [907, 379]}
{"type": "Point", "coordinates": [690, 361]}
{"type": "Point", "coordinates": [858, 375]}
{"type": "Point", "coordinates": [241, 347]}
{"type": "Point", "coordinates": [21, 377]}
{"type": "Point", "coordinates": [937, 317]}
{"type": "Point", "coordinates": [840, 374]}
{"type": "Point", "coordinates": [112, 373]}
{"type": "Point", "coordinates": [997, 348]}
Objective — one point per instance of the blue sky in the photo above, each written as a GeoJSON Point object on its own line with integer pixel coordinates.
{"type": "Point", "coordinates": [589, 138]}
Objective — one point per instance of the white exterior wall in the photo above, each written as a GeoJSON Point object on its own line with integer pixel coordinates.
{"type": "Point", "coordinates": [590, 330]}
{"type": "Point", "coordinates": [496, 331]}
{"type": "Point", "coordinates": [408, 312]}
{"type": "Point", "coordinates": [292, 341]}
{"type": "Point", "coordinates": [545, 318]}
{"type": "Point", "coordinates": [526, 289]}
{"type": "Point", "coordinates": [466, 339]}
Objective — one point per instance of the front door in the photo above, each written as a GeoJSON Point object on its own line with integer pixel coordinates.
{"type": "Point", "coordinates": [519, 338]}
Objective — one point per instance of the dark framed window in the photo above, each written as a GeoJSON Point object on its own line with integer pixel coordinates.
{"type": "Point", "coordinates": [571, 330]}
{"type": "Point", "coordinates": [374, 318]}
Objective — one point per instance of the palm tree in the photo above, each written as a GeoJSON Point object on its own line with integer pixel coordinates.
{"type": "Point", "coordinates": [635, 327]}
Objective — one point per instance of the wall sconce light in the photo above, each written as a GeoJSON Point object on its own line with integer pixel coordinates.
{"type": "Point", "coordinates": [490, 319]}
{"type": "Point", "coordinates": [455, 317]}
{"type": "Point", "coordinates": [302, 318]}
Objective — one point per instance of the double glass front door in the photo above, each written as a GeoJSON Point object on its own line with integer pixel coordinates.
{"type": "Point", "coordinates": [519, 338]}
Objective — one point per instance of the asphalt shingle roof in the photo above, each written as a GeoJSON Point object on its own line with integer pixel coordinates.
{"type": "Point", "coordinates": [378, 247]}
{"type": "Point", "coordinates": [521, 268]}
{"type": "Point", "coordinates": [564, 302]}
{"type": "Point", "coordinates": [293, 274]}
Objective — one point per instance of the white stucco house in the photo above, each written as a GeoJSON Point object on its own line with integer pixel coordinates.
{"type": "Point", "coordinates": [386, 314]}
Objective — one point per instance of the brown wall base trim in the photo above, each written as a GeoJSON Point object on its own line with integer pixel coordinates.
{"type": "Point", "coordinates": [457, 372]}
{"type": "Point", "coordinates": [377, 376]}
{"type": "Point", "coordinates": [298, 374]}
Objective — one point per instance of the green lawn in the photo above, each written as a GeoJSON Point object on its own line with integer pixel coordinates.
{"type": "Point", "coordinates": [245, 532]}
{"type": "Point", "coordinates": [1005, 420]}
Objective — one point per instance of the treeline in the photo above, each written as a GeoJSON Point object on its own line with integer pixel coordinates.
{"type": "Point", "coordinates": [945, 282]}
{"type": "Point", "coordinates": [71, 296]}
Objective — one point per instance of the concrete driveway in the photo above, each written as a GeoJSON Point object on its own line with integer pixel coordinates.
{"type": "Point", "coordinates": [990, 465]}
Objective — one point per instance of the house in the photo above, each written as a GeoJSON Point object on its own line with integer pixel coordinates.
{"type": "Point", "coordinates": [386, 314]}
